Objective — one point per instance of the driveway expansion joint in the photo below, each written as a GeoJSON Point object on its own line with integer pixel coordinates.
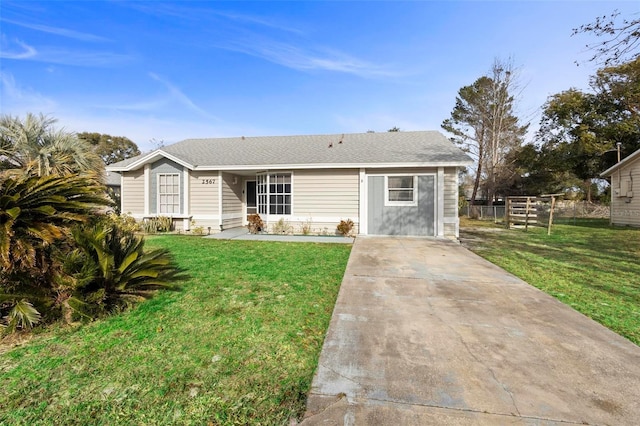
{"type": "Point", "coordinates": [355, 400]}
{"type": "Point", "coordinates": [339, 374]}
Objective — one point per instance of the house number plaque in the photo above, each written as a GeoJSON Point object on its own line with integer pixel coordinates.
{"type": "Point", "coordinates": [208, 181]}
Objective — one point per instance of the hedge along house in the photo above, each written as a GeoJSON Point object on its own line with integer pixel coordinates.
{"type": "Point", "coordinates": [393, 183]}
{"type": "Point", "coordinates": [625, 202]}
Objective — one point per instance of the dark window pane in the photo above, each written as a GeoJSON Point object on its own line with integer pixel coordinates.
{"type": "Point", "coordinates": [272, 188]}
{"type": "Point", "coordinates": [400, 182]}
{"type": "Point", "coordinates": [272, 209]}
{"type": "Point", "coordinates": [287, 199]}
{"type": "Point", "coordinates": [287, 188]}
{"type": "Point", "coordinates": [280, 188]}
{"type": "Point", "coordinates": [280, 209]}
{"type": "Point", "coordinates": [272, 199]}
{"type": "Point", "coordinates": [287, 209]}
{"type": "Point", "coordinates": [280, 199]}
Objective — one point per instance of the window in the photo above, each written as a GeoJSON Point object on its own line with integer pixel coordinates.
{"type": "Point", "coordinates": [401, 191]}
{"type": "Point", "coordinates": [168, 193]}
{"type": "Point", "coordinates": [274, 193]}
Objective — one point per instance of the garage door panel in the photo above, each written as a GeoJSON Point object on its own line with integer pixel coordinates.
{"type": "Point", "coordinates": [401, 220]}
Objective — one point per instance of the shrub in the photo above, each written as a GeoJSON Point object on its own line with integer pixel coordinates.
{"type": "Point", "coordinates": [124, 221]}
{"type": "Point", "coordinates": [282, 227]}
{"type": "Point", "coordinates": [36, 214]}
{"type": "Point", "coordinates": [255, 223]}
{"type": "Point", "coordinates": [306, 227]}
{"type": "Point", "coordinates": [150, 226]}
{"type": "Point", "coordinates": [196, 230]}
{"type": "Point", "coordinates": [165, 223]}
{"type": "Point", "coordinates": [345, 227]}
{"type": "Point", "coordinates": [108, 270]}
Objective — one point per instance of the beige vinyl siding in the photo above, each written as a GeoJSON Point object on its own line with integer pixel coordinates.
{"type": "Point", "coordinates": [132, 192]}
{"type": "Point", "coordinates": [623, 212]}
{"type": "Point", "coordinates": [450, 230]}
{"type": "Point", "coordinates": [451, 219]}
{"type": "Point", "coordinates": [203, 199]}
{"type": "Point", "coordinates": [450, 188]}
{"type": "Point", "coordinates": [326, 194]}
{"type": "Point", "coordinates": [231, 201]}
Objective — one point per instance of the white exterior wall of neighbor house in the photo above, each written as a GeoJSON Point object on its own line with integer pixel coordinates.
{"type": "Point", "coordinates": [132, 193]}
{"type": "Point", "coordinates": [322, 198]}
{"type": "Point", "coordinates": [232, 208]}
{"type": "Point", "coordinates": [625, 210]}
{"type": "Point", "coordinates": [203, 199]}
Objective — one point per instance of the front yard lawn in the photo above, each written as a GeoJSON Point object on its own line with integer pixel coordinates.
{"type": "Point", "coordinates": [238, 344]}
{"type": "Point", "coordinates": [589, 265]}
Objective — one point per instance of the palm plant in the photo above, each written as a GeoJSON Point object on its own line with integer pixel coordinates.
{"type": "Point", "coordinates": [34, 146]}
{"type": "Point", "coordinates": [109, 269]}
{"type": "Point", "coordinates": [35, 215]}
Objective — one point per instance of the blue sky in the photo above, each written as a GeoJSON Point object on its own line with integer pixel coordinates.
{"type": "Point", "coordinates": [174, 70]}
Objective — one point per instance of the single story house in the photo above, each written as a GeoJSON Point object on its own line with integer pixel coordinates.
{"type": "Point", "coordinates": [392, 183]}
{"type": "Point", "coordinates": [625, 202]}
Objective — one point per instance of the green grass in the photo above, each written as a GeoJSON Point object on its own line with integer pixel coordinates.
{"type": "Point", "coordinates": [238, 344]}
{"type": "Point", "coordinates": [589, 265]}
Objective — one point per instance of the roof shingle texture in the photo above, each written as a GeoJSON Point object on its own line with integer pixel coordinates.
{"type": "Point", "coordinates": [354, 148]}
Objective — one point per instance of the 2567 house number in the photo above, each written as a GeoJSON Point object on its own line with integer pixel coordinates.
{"type": "Point", "coordinates": [208, 181]}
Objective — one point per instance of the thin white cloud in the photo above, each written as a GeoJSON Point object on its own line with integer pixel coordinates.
{"type": "Point", "coordinates": [8, 49]}
{"type": "Point", "coordinates": [300, 59]}
{"type": "Point", "coordinates": [63, 32]}
{"type": "Point", "coordinates": [200, 14]}
{"type": "Point", "coordinates": [82, 57]}
{"type": "Point", "coordinates": [19, 100]}
{"type": "Point", "coordinates": [176, 94]}
{"type": "Point", "coordinates": [273, 24]}
{"type": "Point", "coordinates": [18, 50]}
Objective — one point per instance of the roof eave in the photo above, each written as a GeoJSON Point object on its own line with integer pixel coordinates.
{"type": "Point", "coordinates": [333, 166]}
{"type": "Point", "coordinates": [622, 163]}
{"type": "Point", "coordinates": [150, 158]}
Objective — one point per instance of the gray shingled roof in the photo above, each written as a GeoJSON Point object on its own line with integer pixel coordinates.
{"type": "Point", "coordinates": [113, 179]}
{"type": "Point", "coordinates": [426, 147]}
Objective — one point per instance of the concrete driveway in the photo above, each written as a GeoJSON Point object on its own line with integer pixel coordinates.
{"type": "Point", "coordinates": [426, 332]}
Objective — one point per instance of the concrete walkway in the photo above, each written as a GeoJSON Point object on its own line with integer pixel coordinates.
{"type": "Point", "coordinates": [242, 233]}
{"type": "Point", "coordinates": [424, 332]}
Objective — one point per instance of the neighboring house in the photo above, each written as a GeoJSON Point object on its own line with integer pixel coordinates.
{"type": "Point", "coordinates": [625, 202]}
{"type": "Point", "coordinates": [392, 183]}
{"type": "Point", "coordinates": [113, 181]}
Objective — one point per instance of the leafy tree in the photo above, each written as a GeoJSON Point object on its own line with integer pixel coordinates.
{"type": "Point", "coordinates": [484, 124]}
{"type": "Point", "coordinates": [622, 39]}
{"type": "Point", "coordinates": [394, 129]}
{"type": "Point", "coordinates": [111, 148]}
{"type": "Point", "coordinates": [32, 145]}
{"type": "Point", "coordinates": [578, 129]}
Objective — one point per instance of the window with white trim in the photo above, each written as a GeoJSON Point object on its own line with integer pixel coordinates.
{"type": "Point", "coordinates": [274, 193]}
{"type": "Point", "coordinates": [401, 191]}
{"type": "Point", "coordinates": [168, 193]}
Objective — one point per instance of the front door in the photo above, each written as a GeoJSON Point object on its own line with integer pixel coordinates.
{"type": "Point", "coordinates": [250, 197]}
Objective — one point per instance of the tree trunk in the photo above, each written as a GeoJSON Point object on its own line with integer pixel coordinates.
{"type": "Point", "coordinates": [476, 183]}
{"type": "Point", "coordinates": [587, 183]}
